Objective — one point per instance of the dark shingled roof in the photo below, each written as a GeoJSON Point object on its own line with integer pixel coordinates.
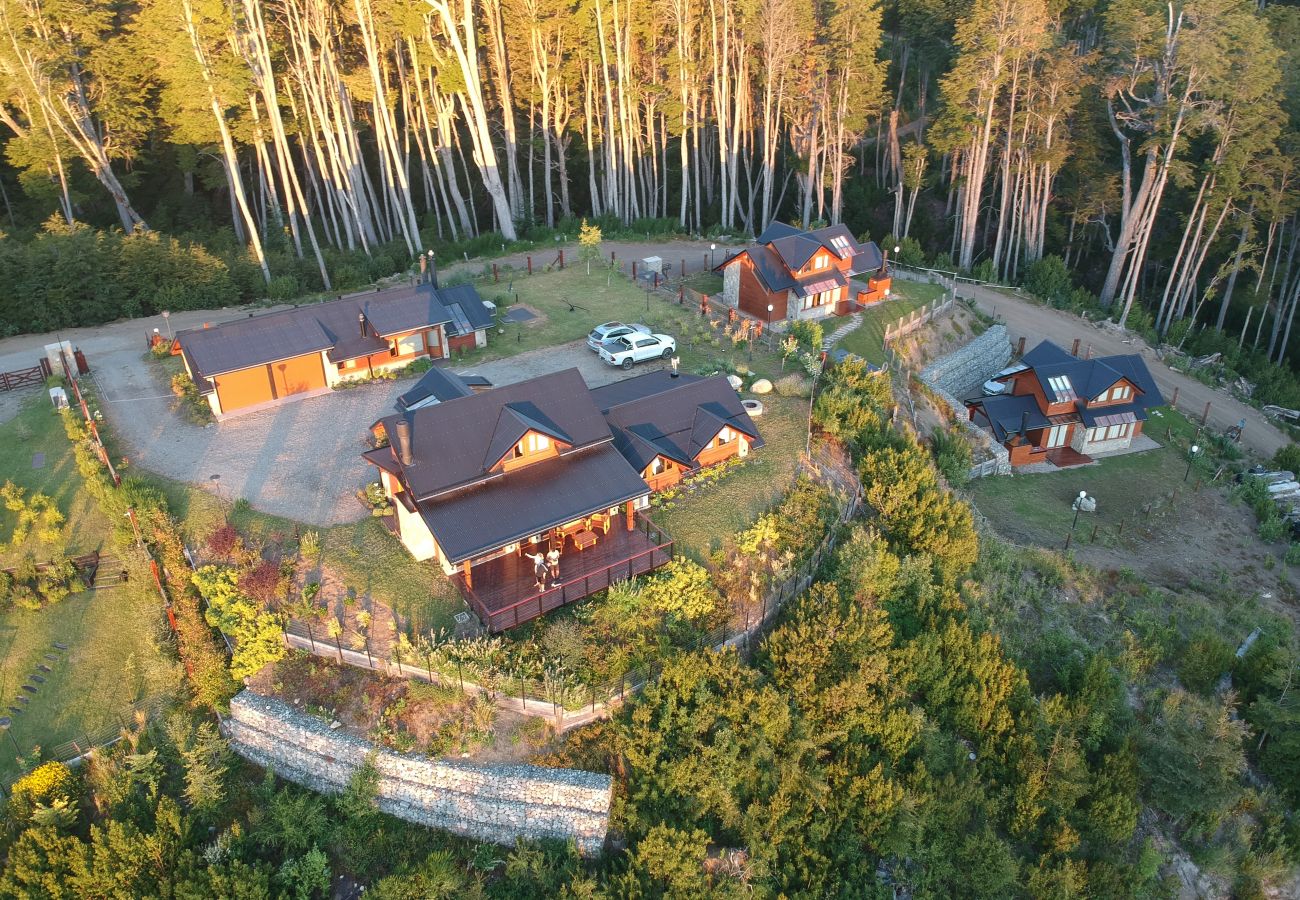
{"type": "Point", "coordinates": [675, 418]}
{"type": "Point", "coordinates": [451, 442]}
{"type": "Point", "coordinates": [466, 309]}
{"type": "Point", "coordinates": [530, 501]}
{"type": "Point", "coordinates": [777, 230]}
{"type": "Point", "coordinates": [796, 249]}
{"type": "Point", "coordinates": [333, 326]}
{"type": "Point", "coordinates": [1007, 413]}
{"type": "Point", "coordinates": [438, 384]}
{"type": "Point", "coordinates": [256, 340]}
{"type": "Point", "coordinates": [402, 309]}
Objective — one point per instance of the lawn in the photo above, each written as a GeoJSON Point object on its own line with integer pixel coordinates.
{"type": "Point", "coordinates": [699, 522]}
{"type": "Point", "coordinates": [114, 635]}
{"type": "Point", "coordinates": [1036, 508]}
{"type": "Point", "coordinates": [365, 556]}
{"type": "Point", "coordinates": [39, 430]}
{"type": "Point", "coordinates": [868, 341]}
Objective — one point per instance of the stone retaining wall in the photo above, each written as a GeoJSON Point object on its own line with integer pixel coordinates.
{"type": "Point", "coordinates": [974, 363]}
{"type": "Point", "coordinates": [496, 803]}
{"type": "Point", "coordinates": [983, 357]}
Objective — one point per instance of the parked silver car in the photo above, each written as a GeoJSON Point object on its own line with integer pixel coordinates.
{"type": "Point", "coordinates": [611, 330]}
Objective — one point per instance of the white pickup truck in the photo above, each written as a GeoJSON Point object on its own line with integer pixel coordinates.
{"type": "Point", "coordinates": [634, 348]}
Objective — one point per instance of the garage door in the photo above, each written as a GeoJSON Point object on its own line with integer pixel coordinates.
{"type": "Point", "coordinates": [298, 375]}
{"type": "Point", "coordinates": [245, 387]}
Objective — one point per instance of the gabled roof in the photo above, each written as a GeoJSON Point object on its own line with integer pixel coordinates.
{"type": "Point", "coordinates": [657, 414]}
{"type": "Point", "coordinates": [466, 308]}
{"type": "Point", "coordinates": [514, 422]}
{"type": "Point", "coordinates": [403, 309]}
{"type": "Point", "coordinates": [530, 500]}
{"type": "Point", "coordinates": [256, 340]}
{"type": "Point", "coordinates": [434, 386]}
{"type": "Point", "coordinates": [783, 249]}
{"type": "Point", "coordinates": [451, 442]}
{"type": "Point", "coordinates": [1008, 414]}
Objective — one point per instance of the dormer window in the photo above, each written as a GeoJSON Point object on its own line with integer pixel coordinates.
{"type": "Point", "coordinates": [821, 261]}
{"type": "Point", "coordinates": [532, 443]}
{"type": "Point", "coordinates": [726, 436]}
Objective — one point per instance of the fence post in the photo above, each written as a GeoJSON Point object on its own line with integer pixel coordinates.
{"type": "Point", "coordinates": [1205, 416]}
{"type": "Point", "coordinates": [530, 265]}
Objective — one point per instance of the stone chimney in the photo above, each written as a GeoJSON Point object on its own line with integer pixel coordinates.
{"type": "Point", "coordinates": [404, 442]}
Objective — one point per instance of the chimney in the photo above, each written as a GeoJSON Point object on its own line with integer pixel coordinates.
{"type": "Point", "coordinates": [361, 323]}
{"type": "Point", "coordinates": [1024, 423]}
{"type": "Point", "coordinates": [404, 442]}
{"type": "Point", "coordinates": [433, 269]}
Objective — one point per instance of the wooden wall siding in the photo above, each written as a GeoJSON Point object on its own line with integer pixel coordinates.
{"type": "Point", "coordinates": [671, 474]}
{"type": "Point", "coordinates": [754, 299]}
{"type": "Point", "coordinates": [460, 342]}
{"type": "Point", "coordinates": [1119, 402]}
{"type": "Point", "coordinates": [712, 455]}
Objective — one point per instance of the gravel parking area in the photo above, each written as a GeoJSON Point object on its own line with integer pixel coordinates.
{"type": "Point", "coordinates": [299, 459]}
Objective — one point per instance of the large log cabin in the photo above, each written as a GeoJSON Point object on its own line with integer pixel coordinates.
{"type": "Point", "coordinates": [482, 482]}
{"type": "Point", "coordinates": [794, 274]}
{"type": "Point", "coordinates": [249, 363]}
{"type": "Point", "coordinates": [1061, 409]}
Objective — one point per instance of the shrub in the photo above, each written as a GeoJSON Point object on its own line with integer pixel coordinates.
{"type": "Point", "coordinates": [1288, 458]}
{"type": "Point", "coordinates": [221, 542]}
{"type": "Point", "coordinates": [1049, 280]}
{"type": "Point", "coordinates": [682, 588]}
{"type": "Point", "coordinates": [952, 455]}
{"type": "Point", "coordinates": [283, 288]}
{"type": "Point", "coordinates": [808, 335]}
{"type": "Point", "coordinates": [1205, 657]}
{"type": "Point", "coordinates": [42, 786]}
{"type": "Point", "coordinates": [262, 582]}
{"type": "Point", "coordinates": [792, 385]}
{"type": "Point", "coordinates": [256, 633]}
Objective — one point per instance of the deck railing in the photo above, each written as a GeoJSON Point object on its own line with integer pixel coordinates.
{"type": "Point", "coordinates": [575, 589]}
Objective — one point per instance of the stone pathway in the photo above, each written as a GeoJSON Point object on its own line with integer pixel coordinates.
{"type": "Point", "coordinates": [839, 333]}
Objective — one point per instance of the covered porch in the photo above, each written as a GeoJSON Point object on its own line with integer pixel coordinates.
{"type": "Point", "coordinates": [503, 591]}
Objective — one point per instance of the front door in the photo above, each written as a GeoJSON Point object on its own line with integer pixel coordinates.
{"type": "Point", "coordinates": [1056, 436]}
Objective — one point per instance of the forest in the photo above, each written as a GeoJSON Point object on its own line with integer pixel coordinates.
{"type": "Point", "coordinates": [228, 151]}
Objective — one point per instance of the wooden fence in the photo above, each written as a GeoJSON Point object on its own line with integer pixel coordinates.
{"type": "Point", "coordinates": [19, 378]}
{"type": "Point", "coordinates": [916, 318]}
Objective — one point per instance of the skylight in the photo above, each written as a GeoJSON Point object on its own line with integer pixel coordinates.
{"type": "Point", "coordinates": [840, 243]}
{"type": "Point", "coordinates": [1060, 385]}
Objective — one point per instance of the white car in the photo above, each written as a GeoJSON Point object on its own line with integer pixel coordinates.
{"type": "Point", "coordinates": [611, 330]}
{"type": "Point", "coordinates": [637, 347]}
{"type": "Point", "coordinates": [993, 388]}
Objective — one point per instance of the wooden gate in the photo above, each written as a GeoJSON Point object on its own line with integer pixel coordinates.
{"type": "Point", "coordinates": [33, 377]}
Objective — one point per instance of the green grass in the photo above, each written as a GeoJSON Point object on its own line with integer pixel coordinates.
{"type": "Point", "coordinates": [1036, 508]}
{"type": "Point", "coordinates": [868, 341]}
{"type": "Point", "coordinates": [114, 636]}
{"type": "Point", "coordinates": [38, 429]}
{"type": "Point", "coordinates": [366, 557]}
{"type": "Point", "coordinates": [700, 522]}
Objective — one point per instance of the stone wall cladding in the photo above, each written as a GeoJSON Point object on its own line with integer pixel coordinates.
{"type": "Point", "coordinates": [982, 358]}
{"type": "Point", "coordinates": [974, 363]}
{"type": "Point", "coordinates": [494, 803]}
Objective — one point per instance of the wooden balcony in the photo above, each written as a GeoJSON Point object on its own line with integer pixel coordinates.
{"type": "Point", "coordinates": [504, 592]}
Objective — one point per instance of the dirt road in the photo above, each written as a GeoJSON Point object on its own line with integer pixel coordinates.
{"type": "Point", "coordinates": [1036, 322]}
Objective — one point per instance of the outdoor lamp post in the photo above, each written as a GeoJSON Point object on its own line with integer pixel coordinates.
{"type": "Point", "coordinates": [221, 500]}
{"type": "Point", "coordinates": [712, 247]}
{"type": "Point", "coordinates": [6, 728]}
{"type": "Point", "coordinates": [1078, 505]}
{"type": "Point", "coordinates": [1190, 459]}
{"type": "Point", "coordinates": [167, 317]}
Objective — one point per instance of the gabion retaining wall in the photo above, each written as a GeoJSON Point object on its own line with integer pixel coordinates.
{"type": "Point", "coordinates": [496, 803]}
{"type": "Point", "coordinates": [979, 360]}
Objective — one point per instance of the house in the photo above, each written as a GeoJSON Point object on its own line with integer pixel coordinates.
{"type": "Point", "coordinates": [794, 274]}
{"type": "Point", "coordinates": [244, 364]}
{"type": "Point", "coordinates": [1063, 409]}
{"type": "Point", "coordinates": [668, 425]}
{"type": "Point", "coordinates": [480, 481]}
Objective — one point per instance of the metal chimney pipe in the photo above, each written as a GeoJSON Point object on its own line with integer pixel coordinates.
{"type": "Point", "coordinates": [404, 442]}
{"type": "Point", "coordinates": [361, 323]}
{"type": "Point", "coordinates": [1024, 423]}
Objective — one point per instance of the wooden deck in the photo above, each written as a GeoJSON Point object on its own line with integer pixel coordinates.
{"type": "Point", "coordinates": [1065, 457]}
{"type": "Point", "coordinates": [505, 590]}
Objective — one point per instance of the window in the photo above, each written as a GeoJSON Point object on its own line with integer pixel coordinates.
{"type": "Point", "coordinates": [1120, 392]}
{"type": "Point", "coordinates": [726, 436]}
{"type": "Point", "coordinates": [840, 243]}
{"type": "Point", "coordinates": [821, 260]}
{"type": "Point", "coordinates": [532, 443]}
{"type": "Point", "coordinates": [645, 342]}
{"type": "Point", "coordinates": [1060, 385]}
{"type": "Point", "coordinates": [657, 467]}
